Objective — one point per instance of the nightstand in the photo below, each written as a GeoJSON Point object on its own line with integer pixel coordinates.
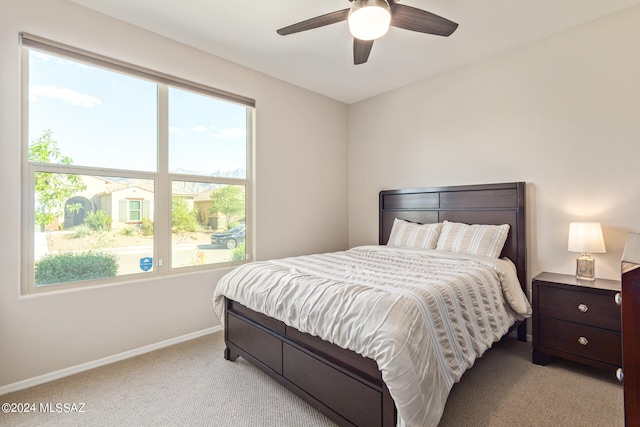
{"type": "Point", "coordinates": [576, 320]}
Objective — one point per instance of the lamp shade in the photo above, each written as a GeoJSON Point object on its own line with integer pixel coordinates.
{"type": "Point", "coordinates": [369, 19]}
{"type": "Point", "coordinates": [586, 237]}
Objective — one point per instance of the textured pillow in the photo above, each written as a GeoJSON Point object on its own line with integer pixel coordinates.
{"type": "Point", "coordinates": [404, 233]}
{"type": "Point", "coordinates": [476, 239]}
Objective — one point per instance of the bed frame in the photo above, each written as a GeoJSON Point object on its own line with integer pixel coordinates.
{"type": "Point", "coordinates": [343, 385]}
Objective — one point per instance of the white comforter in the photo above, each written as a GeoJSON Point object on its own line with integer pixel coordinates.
{"type": "Point", "coordinates": [423, 315]}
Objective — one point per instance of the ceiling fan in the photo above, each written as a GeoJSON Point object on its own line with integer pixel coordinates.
{"type": "Point", "coordinates": [370, 20]}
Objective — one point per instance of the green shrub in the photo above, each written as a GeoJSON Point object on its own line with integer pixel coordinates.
{"type": "Point", "coordinates": [182, 217]}
{"type": "Point", "coordinates": [80, 232]}
{"type": "Point", "coordinates": [72, 267]}
{"type": "Point", "coordinates": [146, 228]}
{"type": "Point", "coordinates": [98, 220]}
{"type": "Point", "coordinates": [129, 231]}
{"type": "Point", "coordinates": [238, 253]}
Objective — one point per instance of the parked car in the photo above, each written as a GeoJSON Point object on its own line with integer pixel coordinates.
{"type": "Point", "coordinates": [230, 238]}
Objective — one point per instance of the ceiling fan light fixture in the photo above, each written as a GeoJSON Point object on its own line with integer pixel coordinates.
{"type": "Point", "coordinates": [369, 19]}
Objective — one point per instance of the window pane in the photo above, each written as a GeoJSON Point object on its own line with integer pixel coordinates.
{"type": "Point", "coordinates": [135, 211]}
{"type": "Point", "coordinates": [99, 118]}
{"type": "Point", "coordinates": [207, 136]}
{"type": "Point", "coordinates": [208, 223]}
{"type": "Point", "coordinates": [84, 230]}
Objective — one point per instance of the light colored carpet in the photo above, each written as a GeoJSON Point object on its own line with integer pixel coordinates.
{"type": "Point", "coordinates": [505, 389]}
{"type": "Point", "coordinates": [190, 384]}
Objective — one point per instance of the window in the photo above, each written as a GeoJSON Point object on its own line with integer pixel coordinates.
{"type": "Point", "coordinates": [128, 172]}
{"type": "Point", "coordinates": [135, 210]}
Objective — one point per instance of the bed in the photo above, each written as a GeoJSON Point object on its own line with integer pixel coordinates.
{"type": "Point", "coordinates": [333, 346]}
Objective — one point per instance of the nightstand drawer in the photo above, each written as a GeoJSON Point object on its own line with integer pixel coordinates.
{"type": "Point", "coordinates": [585, 341]}
{"type": "Point", "coordinates": [594, 309]}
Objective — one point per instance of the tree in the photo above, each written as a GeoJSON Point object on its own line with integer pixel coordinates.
{"type": "Point", "coordinates": [52, 189]}
{"type": "Point", "coordinates": [228, 201]}
{"type": "Point", "coordinates": [182, 218]}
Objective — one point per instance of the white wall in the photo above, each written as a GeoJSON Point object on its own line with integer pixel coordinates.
{"type": "Point", "coordinates": [562, 114]}
{"type": "Point", "coordinates": [300, 204]}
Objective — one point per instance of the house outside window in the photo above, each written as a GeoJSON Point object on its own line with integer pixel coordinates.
{"type": "Point", "coordinates": [128, 171]}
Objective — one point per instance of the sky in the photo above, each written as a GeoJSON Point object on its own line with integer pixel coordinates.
{"type": "Point", "coordinates": [105, 119]}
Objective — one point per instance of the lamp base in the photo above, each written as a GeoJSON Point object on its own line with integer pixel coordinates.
{"type": "Point", "coordinates": [585, 268]}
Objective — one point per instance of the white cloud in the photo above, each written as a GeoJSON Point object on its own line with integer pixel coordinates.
{"type": "Point", "coordinates": [233, 132]}
{"type": "Point", "coordinates": [200, 129]}
{"type": "Point", "coordinates": [64, 94]}
{"type": "Point", "coordinates": [35, 55]}
{"type": "Point", "coordinates": [177, 131]}
{"type": "Point", "coordinates": [229, 133]}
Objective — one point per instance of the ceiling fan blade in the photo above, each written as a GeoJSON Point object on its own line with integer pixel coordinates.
{"type": "Point", "coordinates": [318, 21]}
{"type": "Point", "coordinates": [413, 19]}
{"type": "Point", "coordinates": [361, 50]}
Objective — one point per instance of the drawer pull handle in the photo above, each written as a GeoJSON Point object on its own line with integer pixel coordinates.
{"type": "Point", "coordinates": [620, 374]}
{"type": "Point", "coordinates": [618, 298]}
{"type": "Point", "coordinates": [583, 308]}
{"type": "Point", "coordinates": [583, 341]}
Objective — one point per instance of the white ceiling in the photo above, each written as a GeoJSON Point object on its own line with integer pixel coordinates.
{"type": "Point", "coordinates": [321, 60]}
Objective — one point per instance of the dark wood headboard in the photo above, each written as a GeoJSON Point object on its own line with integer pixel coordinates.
{"type": "Point", "coordinates": [492, 204]}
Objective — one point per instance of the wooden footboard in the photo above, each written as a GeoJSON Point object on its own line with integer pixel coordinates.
{"type": "Point", "coordinates": [343, 385]}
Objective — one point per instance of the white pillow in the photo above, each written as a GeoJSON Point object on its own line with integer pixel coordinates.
{"type": "Point", "coordinates": [475, 239]}
{"type": "Point", "coordinates": [413, 235]}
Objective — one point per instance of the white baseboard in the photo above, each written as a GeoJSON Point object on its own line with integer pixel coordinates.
{"type": "Point", "coordinates": [41, 379]}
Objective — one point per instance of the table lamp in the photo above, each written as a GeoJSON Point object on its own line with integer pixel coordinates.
{"type": "Point", "coordinates": [586, 238]}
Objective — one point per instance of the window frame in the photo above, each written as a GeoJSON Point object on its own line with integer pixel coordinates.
{"type": "Point", "coordinates": [162, 178]}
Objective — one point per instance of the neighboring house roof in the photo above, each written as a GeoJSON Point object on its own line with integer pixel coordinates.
{"type": "Point", "coordinates": [205, 196]}
{"type": "Point", "coordinates": [109, 186]}
{"type": "Point", "coordinates": [121, 188]}
{"type": "Point", "coordinates": [182, 193]}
